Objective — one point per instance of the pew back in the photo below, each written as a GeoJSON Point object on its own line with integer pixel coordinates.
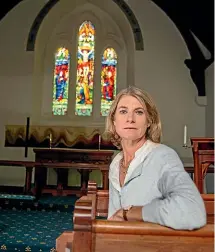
{"type": "Point", "coordinates": [147, 237]}
{"type": "Point", "coordinates": [102, 199]}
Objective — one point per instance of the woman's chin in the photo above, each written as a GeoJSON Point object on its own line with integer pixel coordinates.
{"type": "Point", "coordinates": [131, 138]}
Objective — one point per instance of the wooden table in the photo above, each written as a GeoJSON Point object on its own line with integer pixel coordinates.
{"type": "Point", "coordinates": [84, 160]}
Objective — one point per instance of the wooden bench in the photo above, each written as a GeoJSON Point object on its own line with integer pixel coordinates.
{"type": "Point", "coordinates": [95, 235]}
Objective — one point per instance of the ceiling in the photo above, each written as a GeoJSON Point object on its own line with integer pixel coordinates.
{"type": "Point", "coordinates": [190, 17]}
{"type": "Point", "coordinates": [196, 16]}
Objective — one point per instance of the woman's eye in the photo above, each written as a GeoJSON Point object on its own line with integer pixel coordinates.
{"type": "Point", "coordinates": [123, 111]}
{"type": "Point", "coordinates": [139, 112]}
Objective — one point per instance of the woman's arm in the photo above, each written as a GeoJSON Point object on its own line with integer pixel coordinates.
{"type": "Point", "coordinates": [182, 206]}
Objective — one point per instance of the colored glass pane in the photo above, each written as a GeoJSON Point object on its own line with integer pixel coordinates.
{"type": "Point", "coordinates": [108, 80]}
{"type": "Point", "coordinates": [85, 69]}
{"type": "Point", "coordinates": [61, 82]}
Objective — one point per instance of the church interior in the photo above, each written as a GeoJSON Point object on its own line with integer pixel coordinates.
{"type": "Point", "coordinates": [62, 64]}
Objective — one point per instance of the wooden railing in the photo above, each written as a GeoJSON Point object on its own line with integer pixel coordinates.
{"type": "Point", "coordinates": [29, 165]}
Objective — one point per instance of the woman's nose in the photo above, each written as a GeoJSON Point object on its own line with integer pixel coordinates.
{"type": "Point", "coordinates": [130, 117]}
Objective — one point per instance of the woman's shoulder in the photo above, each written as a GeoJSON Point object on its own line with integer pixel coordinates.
{"type": "Point", "coordinates": [166, 154]}
{"type": "Point", "coordinates": [163, 149]}
{"type": "Point", "coordinates": [156, 149]}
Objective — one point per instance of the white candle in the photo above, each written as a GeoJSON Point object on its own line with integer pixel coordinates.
{"type": "Point", "coordinates": [185, 135]}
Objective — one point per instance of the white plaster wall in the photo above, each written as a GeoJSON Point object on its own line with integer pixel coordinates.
{"type": "Point", "coordinates": [159, 69]}
{"type": "Point", "coordinates": [209, 82]}
{"type": "Point", "coordinates": [16, 81]}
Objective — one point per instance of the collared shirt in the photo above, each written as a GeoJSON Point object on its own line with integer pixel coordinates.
{"type": "Point", "coordinates": [139, 157]}
{"type": "Point", "coordinates": [157, 181]}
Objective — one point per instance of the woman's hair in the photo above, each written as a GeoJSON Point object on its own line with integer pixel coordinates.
{"type": "Point", "coordinates": [153, 131]}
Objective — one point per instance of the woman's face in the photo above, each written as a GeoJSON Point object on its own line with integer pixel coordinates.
{"type": "Point", "coordinates": [130, 119]}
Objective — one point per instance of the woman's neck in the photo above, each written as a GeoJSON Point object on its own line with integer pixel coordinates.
{"type": "Point", "coordinates": [130, 147]}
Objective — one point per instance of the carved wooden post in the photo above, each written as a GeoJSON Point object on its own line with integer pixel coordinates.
{"type": "Point", "coordinates": [28, 176]}
{"type": "Point", "coordinates": [196, 165]}
{"type": "Point", "coordinates": [105, 179]}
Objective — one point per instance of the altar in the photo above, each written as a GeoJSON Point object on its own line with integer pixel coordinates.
{"type": "Point", "coordinates": [63, 159]}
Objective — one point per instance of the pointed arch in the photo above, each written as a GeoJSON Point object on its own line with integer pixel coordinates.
{"type": "Point", "coordinates": [108, 79]}
{"type": "Point", "coordinates": [85, 69]}
{"type": "Point", "coordinates": [61, 82]}
{"type": "Point", "coordinates": [137, 33]}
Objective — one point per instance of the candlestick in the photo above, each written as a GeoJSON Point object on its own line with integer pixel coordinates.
{"type": "Point", "coordinates": [185, 135]}
{"type": "Point", "coordinates": [50, 140]}
{"type": "Point", "coordinates": [99, 141]}
{"type": "Point", "coordinates": [27, 136]}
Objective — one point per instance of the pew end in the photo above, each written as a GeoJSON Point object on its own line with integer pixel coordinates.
{"type": "Point", "coordinates": [64, 241]}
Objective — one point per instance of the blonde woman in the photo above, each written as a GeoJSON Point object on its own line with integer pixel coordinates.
{"type": "Point", "coordinates": [147, 179]}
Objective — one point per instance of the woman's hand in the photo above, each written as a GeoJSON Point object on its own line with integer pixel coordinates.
{"type": "Point", "coordinates": [134, 214]}
{"type": "Point", "coordinates": [118, 216]}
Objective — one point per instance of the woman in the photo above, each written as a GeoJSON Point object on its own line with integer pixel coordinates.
{"type": "Point", "coordinates": [147, 179]}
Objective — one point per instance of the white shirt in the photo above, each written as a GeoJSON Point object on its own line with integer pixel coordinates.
{"type": "Point", "coordinates": [157, 181]}
{"type": "Point", "coordinates": [139, 157]}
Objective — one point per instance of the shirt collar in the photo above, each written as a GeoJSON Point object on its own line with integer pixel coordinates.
{"type": "Point", "coordinates": [139, 157]}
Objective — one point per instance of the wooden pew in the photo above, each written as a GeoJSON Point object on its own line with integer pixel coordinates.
{"type": "Point", "coordinates": [95, 235]}
{"type": "Point", "coordinates": [102, 199]}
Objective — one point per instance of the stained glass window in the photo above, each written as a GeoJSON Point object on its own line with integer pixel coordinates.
{"type": "Point", "coordinates": [108, 79]}
{"type": "Point", "coordinates": [85, 69]}
{"type": "Point", "coordinates": [61, 82]}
